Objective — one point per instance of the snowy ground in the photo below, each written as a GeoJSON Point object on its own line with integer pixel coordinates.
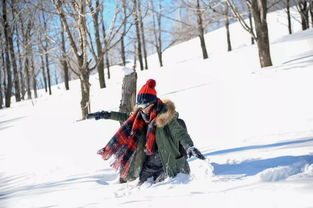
{"type": "Point", "coordinates": [255, 126]}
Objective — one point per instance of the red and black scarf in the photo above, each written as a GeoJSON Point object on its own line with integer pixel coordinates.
{"type": "Point", "coordinates": [124, 143]}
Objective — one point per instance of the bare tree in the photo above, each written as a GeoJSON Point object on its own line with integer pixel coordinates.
{"type": "Point", "coordinates": [311, 11]}
{"type": "Point", "coordinates": [288, 16]}
{"type": "Point", "coordinates": [196, 8]}
{"type": "Point", "coordinates": [259, 13]}
{"type": "Point", "coordinates": [63, 60]}
{"type": "Point", "coordinates": [106, 50]}
{"type": "Point", "coordinates": [201, 30]}
{"type": "Point", "coordinates": [27, 49]}
{"type": "Point", "coordinates": [142, 33]}
{"type": "Point", "coordinates": [12, 55]}
{"type": "Point", "coordinates": [222, 11]}
{"type": "Point", "coordinates": [20, 57]}
{"type": "Point", "coordinates": [123, 34]}
{"type": "Point", "coordinates": [136, 19]}
{"type": "Point", "coordinates": [250, 22]}
{"type": "Point", "coordinates": [1, 72]}
{"type": "Point", "coordinates": [229, 48]}
{"type": "Point", "coordinates": [156, 20]}
{"type": "Point", "coordinates": [44, 76]}
{"type": "Point", "coordinates": [45, 48]}
{"type": "Point", "coordinates": [303, 8]}
{"type": "Point", "coordinates": [79, 47]}
{"type": "Point", "coordinates": [33, 72]}
{"type": "Point", "coordinates": [3, 80]}
{"type": "Point", "coordinates": [1, 90]}
{"type": "Point", "coordinates": [8, 92]}
{"type": "Point", "coordinates": [95, 18]}
{"type": "Point", "coordinates": [110, 36]}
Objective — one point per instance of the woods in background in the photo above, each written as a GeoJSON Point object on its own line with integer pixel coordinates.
{"type": "Point", "coordinates": [44, 42]}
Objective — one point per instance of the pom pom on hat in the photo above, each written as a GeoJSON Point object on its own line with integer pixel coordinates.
{"type": "Point", "coordinates": [147, 93]}
{"type": "Point", "coordinates": [151, 83]}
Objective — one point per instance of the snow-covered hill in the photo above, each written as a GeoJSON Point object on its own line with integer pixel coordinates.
{"type": "Point", "coordinates": [254, 125]}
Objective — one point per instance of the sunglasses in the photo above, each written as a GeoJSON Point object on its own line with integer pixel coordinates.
{"type": "Point", "coordinates": [144, 105]}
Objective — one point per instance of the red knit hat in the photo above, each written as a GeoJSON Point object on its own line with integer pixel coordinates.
{"type": "Point", "coordinates": [147, 93]}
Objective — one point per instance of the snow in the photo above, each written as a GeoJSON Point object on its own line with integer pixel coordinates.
{"type": "Point", "coordinates": [255, 127]}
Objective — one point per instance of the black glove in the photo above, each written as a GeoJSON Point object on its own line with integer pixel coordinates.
{"type": "Point", "coordinates": [192, 151]}
{"type": "Point", "coordinates": [99, 115]}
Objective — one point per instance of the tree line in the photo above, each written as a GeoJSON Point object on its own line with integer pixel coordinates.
{"type": "Point", "coordinates": [43, 42]}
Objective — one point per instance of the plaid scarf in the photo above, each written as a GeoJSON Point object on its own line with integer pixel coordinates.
{"type": "Point", "coordinates": [124, 143]}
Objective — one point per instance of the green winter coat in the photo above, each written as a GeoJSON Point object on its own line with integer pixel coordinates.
{"type": "Point", "coordinates": [174, 161]}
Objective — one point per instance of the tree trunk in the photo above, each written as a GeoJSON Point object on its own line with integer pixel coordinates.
{"type": "Point", "coordinates": [123, 54]}
{"type": "Point", "coordinates": [229, 48]}
{"type": "Point", "coordinates": [250, 23]}
{"type": "Point", "coordinates": [259, 12]}
{"type": "Point", "coordinates": [43, 70]}
{"type": "Point", "coordinates": [33, 73]}
{"type": "Point", "coordinates": [46, 54]}
{"type": "Point", "coordinates": [66, 75]}
{"type": "Point", "coordinates": [157, 32]}
{"type": "Point", "coordinates": [100, 66]}
{"type": "Point", "coordinates": [201, 30]}
{"type": "Point", "coordinates": [27, 46]}
{"type": "Point", "coordinates": [135, 56]}
{"type": "Point", "coordinates": [84, 69]}
{"type": "Point", "coordinates": [64, 60]}
{"type": "Point", "coordinates": [8, 92]}
{"type": "Point", "coordinates": [142, 31]}
{"type": "Point", "coordinates": [23, 91]}
{"type": "Point", "coordinates": [288, 16]}
{"type": "Point", "coordinates": [47, 68]}
{"type": "Point", "coordinates": [1, 88]}
{"type": "Point", "coordinates": [85, 93]}
{"type": "Point", "coordinates": [159, 51]}
{"type": "Point", "coordinates": [107, 61]}
{"type": "Point", "coordinates": [81, 53]}
{"type": "Point", "coordinates": [128, 100]}
{"type": "Point", "coordinates": [13, 59]}
{"type": "Point", "coordinates": [4, 72]}
{"type": "Point", "coordinates": [1, 96]}
{"type": "Point", "coordinates": [106, 51]}
{"type": "Point", "coordinates": [27, 72]}
{"type": "Point", "coordinates": [139, 53]}
{"type": "Point", "coordinates": [303, 7]}
{"type": "Point", "coordinates": [311, 12]}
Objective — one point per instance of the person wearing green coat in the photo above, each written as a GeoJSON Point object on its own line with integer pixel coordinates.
{"type": "Point", "coordinates": [150, 143]}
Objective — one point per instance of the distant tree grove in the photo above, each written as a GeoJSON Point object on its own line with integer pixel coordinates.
{"type": "Point", "coordinates": [44, 42]}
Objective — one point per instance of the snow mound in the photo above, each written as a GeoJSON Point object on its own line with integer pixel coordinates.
{"type": "Point", "coordinates": [308, 170]}
{"type": "Point", "coordinates": [284, 172]}
{"type": "Point", "coordinates": [202, 169]}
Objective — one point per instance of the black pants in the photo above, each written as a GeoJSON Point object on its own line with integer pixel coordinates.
{"type": "Point", "coordinates": [152, 167]}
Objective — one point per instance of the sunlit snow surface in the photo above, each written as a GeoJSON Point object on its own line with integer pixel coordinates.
{"type": "Point", "coordinates": [255, 127]}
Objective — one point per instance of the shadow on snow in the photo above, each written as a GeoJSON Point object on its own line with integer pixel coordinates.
{"type": "Point", "coordinates": [252, 147]}
{"type": "Point", "coordinates": [6, 124]}
{"type": "Point", "coordinates": [253, 167]}
{"type": "Point", "coordinates": [10, 184]}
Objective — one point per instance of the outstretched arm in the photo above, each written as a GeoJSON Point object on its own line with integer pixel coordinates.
{"type": "Point", "coordinates": [118, 116]}
{"type": "Point", "coordinates": [182, 135]}
{"type": "Point", "coordinates": [99, 115]}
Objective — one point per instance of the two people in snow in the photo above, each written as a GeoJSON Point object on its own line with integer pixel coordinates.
{"type": "Point", "coordinates": [151, 142]}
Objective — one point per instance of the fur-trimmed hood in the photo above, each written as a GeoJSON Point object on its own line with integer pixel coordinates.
{"type": "Point", "coordinates": [165, 117]}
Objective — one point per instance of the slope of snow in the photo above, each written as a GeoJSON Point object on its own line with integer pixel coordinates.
{"type": "Point", "coordinates": [255, 127]}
